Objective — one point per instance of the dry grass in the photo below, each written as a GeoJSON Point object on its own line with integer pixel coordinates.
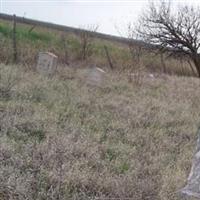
{"type": "Point", "coordinates": [61, 139]}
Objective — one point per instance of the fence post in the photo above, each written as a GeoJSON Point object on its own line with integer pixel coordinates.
{"type": "Point", "coordinates": [163, 63]}
{"type": "Point", "coordinates": [108, 57]}
{"type": "Point", "coordinates": [65, 47]}
{"type": "Point", "coordinates": [14, 40]}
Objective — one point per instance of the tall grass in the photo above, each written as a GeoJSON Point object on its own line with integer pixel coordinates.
{"type": "Point", "coordinates": [62, 139]}
{"type": "Point", "coordinates": [24, 34]}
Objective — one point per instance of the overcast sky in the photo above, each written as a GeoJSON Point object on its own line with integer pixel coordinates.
{"type": "Point", "coordinates": [108, 14]}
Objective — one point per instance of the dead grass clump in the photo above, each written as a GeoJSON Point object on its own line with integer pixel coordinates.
{"type": "Point", "coordinates": [9, 77]}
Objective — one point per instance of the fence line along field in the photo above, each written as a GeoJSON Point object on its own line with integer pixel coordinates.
{"type": "Point", "coordinates": [83, 47]}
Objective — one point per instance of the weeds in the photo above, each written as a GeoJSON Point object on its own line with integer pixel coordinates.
{"type": "Point", "coordinates": [8, 79]}
{"type": "Point", "coordinates": [61, 140]}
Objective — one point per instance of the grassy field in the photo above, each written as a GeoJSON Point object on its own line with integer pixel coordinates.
{"type": "Point", "coordinates": [63, 139]}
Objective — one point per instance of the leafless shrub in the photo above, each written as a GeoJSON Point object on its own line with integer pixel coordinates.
{"type": "Point", "coordinates": [136, 51]}
{"type": "Point", "coordinates": [175, 31]}
{"type": "Point", "coordinates": [8, 78]}
{"type": "Point", "coordinates": [86, 38]}
{"type": "Point", "coordinates": [6, 49]}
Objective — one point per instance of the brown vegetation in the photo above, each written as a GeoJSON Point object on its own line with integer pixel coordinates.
{"type": "Point", "coordinates": [61, 139]}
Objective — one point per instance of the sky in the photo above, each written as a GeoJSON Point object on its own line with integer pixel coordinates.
{"type": "Point", "coordinates": [112, 16]}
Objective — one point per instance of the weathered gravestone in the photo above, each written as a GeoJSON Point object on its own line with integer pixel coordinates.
{"type": "Point", "coordinates": [95, 77]}
{"type": "Point", "coordinates": [193, 183]}
{"type": "Point", "coordinates": [47, 63]}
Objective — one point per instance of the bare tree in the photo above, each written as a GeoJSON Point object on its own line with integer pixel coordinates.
{"type": "Point", "coordinates": [176, 31]}
{"type": "Point", "coordinates": [86, 38]}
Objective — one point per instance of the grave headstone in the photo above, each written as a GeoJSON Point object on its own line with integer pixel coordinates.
{"type": "Point", "coordinates": [47, 63]}
{"type": "Point", "coordinates": [95, 77]}
{"type": "Point", "coordinates": [193, 183]}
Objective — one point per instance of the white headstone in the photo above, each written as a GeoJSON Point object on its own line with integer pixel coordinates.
{"type": "Point", "coordinates": [95, 77]}
{"type": "Point", "coordinates": [47, 63]}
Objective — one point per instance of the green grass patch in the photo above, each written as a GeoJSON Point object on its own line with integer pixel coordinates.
{"type": "Point", "coordinates": [24, 34]}
{"type": "Point", "coordinates": [5, 30]}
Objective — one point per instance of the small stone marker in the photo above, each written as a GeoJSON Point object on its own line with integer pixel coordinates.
{"type": "Point", "coordinates": [47, 63]}
{"type": "Point", "coordinates": [95, 77]}
{"type": "Point", "coordinates": [193, 183]}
